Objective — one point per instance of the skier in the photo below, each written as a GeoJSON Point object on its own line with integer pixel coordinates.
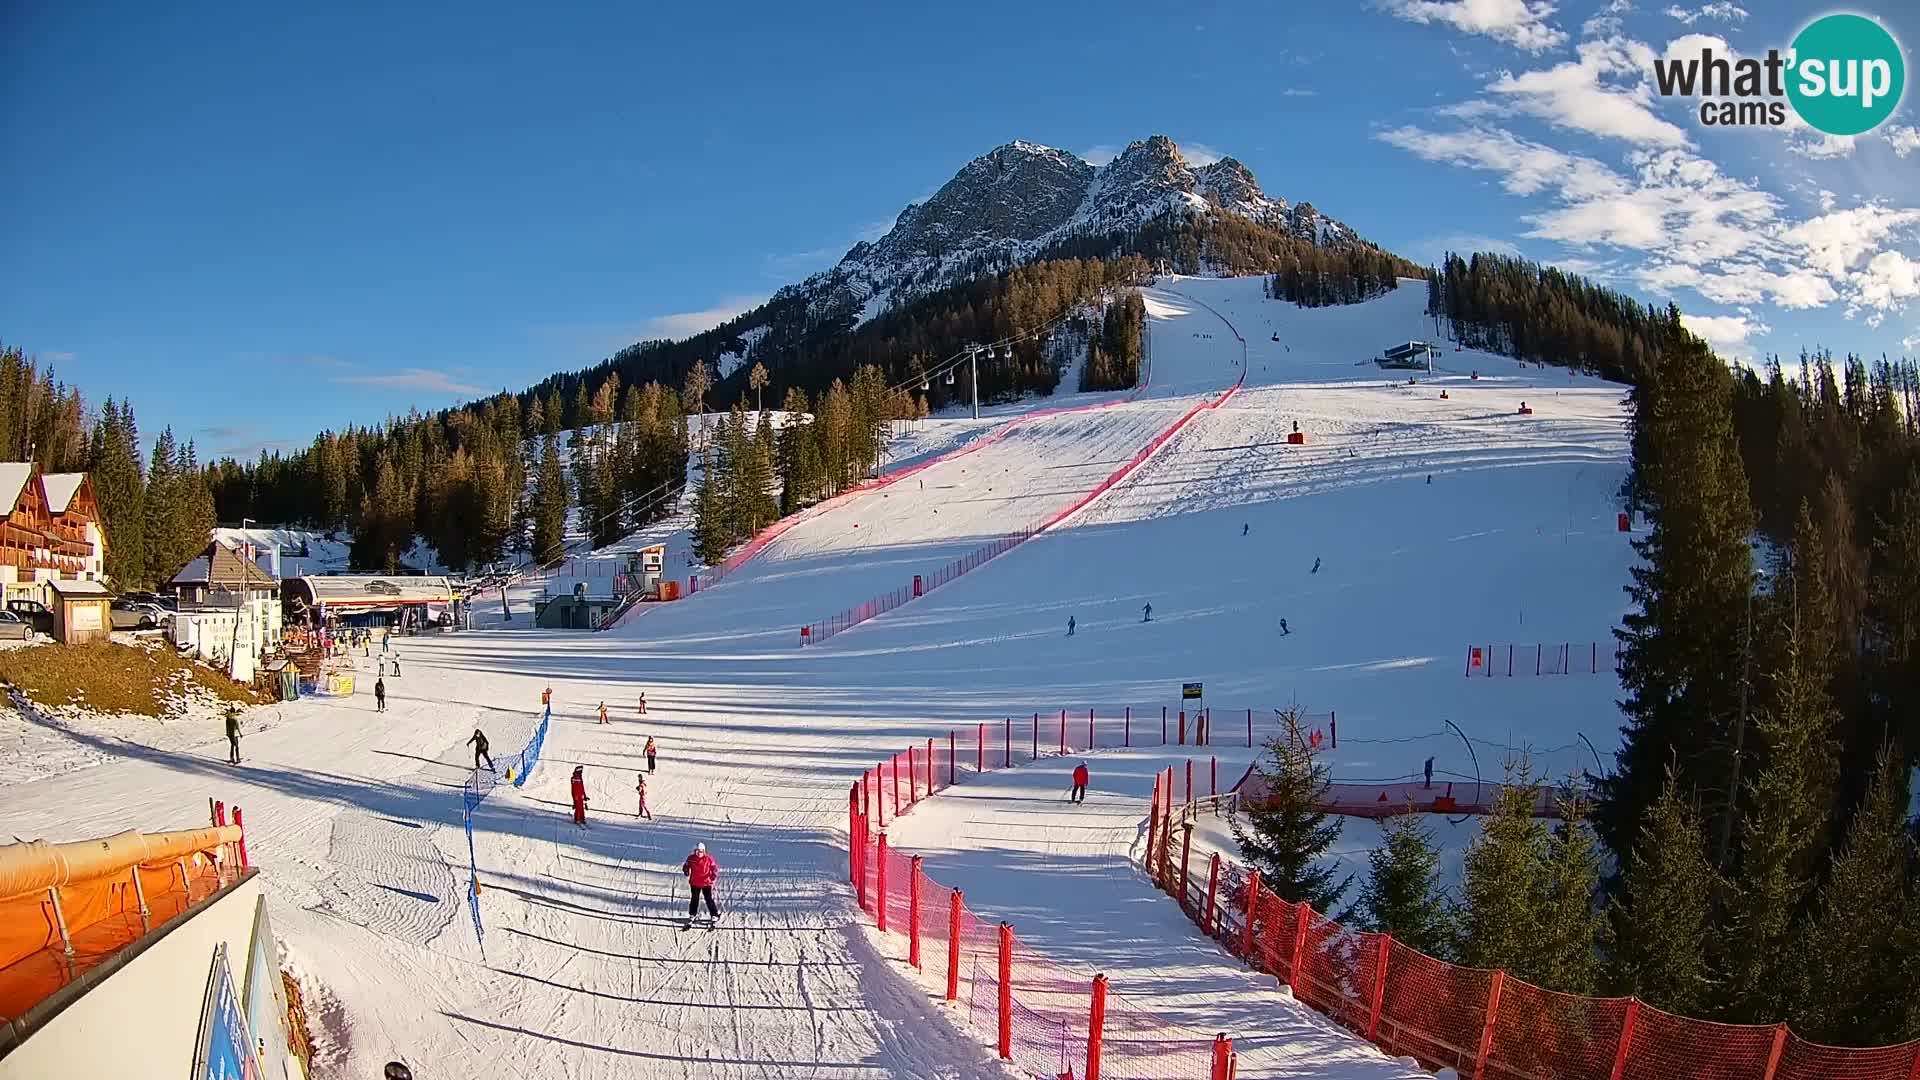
{"type": "Point", "coordinates": [1079, 784]}
{"type": "Point", "coordinates": [1283, 628]}
{"type": "Point", "coordinates": [701, 871]}
{"type": "Point", "coordinates": [649, 753]}
{"type": "Point", "coordinates": [1316, 565]}
{"type": "Point", "coordinates": [643, 703]}
{"type": "Point", "coordinates": [579, 796]}
{"type": "Point", "coordinates": [1429, 771]}
{"type": "Point", "coordinates": [396, 665]}
{"type": "Point", "coordinates": [1244, 528]}
{"type": "Point", "coordinates": [603, 712]}
{"type": "Point", "coordinates": [1146, 613]}
{"type": "Point", "coordinates": [641, 788]}
{"type": "Point", "coordinates": [379, 695]}
{"type": "Point", "coordinates": [233, 736]}
{"type": "Point", "coordinates": [1069, 626]}
{"type": "Point", "coordinates": [546, 698]}
{"type": "Point", "coordinates": [479, 744]}
{"type": "Point", "coordinates": [1429, 478]}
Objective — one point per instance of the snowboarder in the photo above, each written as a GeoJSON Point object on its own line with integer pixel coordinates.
{"type": "Point", "coordinates": [643, 703]}
{"type": "Point", "coordinates": [1316, 565]}
{"type": "Point", "coordinates": [701, 872]}
{"type": "Point", "coordinates": [603, 712]}
{"type": "Point", "coordinates": [233, 736]}
{"type": "Point", "coordinates": [1429, 771]}
{"type": "Point", "coordinates": [1079, 784]}
{"type": "Point", "coordinates": [1069, 626]}
{"type": "Point", "coordinates": [650, 753]}
{"type": "Point", "coordinates": [379, 695]}
{"type": "Point", "coordinates": [1245, 528]}
{"type": "Point", "coordinates": [546, 698]}
{"type": "Point", "coordinates": [479, 744]}
{"type": "Point", "coordinates": [579, 786]}
{"type": "Point", "coordinates": [1146, 613]}
{"type": "Point", "coordinates": [1283, 628]}
{"type": "Point", "coordinates": [641, 788]}
{"type": "Point", "coordinates": [1429, 478]}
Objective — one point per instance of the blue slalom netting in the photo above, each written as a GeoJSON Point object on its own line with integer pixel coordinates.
{"type": "Point", "coordinates": [478, 786]}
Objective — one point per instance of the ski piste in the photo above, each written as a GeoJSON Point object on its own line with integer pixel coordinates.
{"type": "Point", "coordinates": [764, 738]}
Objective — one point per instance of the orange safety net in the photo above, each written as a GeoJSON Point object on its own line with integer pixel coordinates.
{"type": "Point", "coordinates": [90, 888]}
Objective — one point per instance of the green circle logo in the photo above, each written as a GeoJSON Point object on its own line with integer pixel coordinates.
{"type": "Point", "coordinates": [1847, 74]}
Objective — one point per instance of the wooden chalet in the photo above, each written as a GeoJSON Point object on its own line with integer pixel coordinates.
{"type": "Point", "coordinates": [51, 533]}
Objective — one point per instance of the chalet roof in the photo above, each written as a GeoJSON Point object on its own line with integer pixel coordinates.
{"type": "Point", "coordinates": [60, 488]}
{"type": "Point", "coordinates": [79, 588]}
{"type": "Point", "coordinates": [224, 568]}
{"type": "Point", "coordinates": [13, 480]}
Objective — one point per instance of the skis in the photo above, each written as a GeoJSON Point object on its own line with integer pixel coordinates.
{"type": "Point", "coordinates": [709, 922]}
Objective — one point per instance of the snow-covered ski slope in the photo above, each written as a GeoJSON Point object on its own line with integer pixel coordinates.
{"type": "Point", "coordinates": [355, 817]}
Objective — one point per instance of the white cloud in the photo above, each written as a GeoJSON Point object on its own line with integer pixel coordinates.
{"type": "Point", "coordinates": [1099, 155]}
{"type": "Point", "coordinates": [424, 379]}
{"type": "Point", "coordinates": [1603, 93]}
{"type": "Point", "coordinates": [1607, 20]}
{"type": "Point", "coordinates": [1200, 153]}
{"type": "Point", "coordinates": [683, 324]}
{"type": "Point", "coordinates": [1888, 282]}
{"type": "Point", "coordinates": [1520, 23]}
{"type": "Point", "coordinates": [1295, 91]}
{"type": "Point", "coordinates": [1910, 342]}
{"type": "Point", "coordinates": [1728, 334]}
{"type": "Point", "coordinates": [1821, 146]}
{"type": "Point", "coordinates": [1904, 140]}
{"type": "Point", "coordinates": [1826, 200]}
{"type": "Point", "coordinates": [1529, 167]}
{"type": "Point", "coordinates": [1834, 243]}
{"type": "Point", "coordinates": [1724, 10]}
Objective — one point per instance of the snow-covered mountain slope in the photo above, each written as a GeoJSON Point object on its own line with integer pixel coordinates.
{"type": "Point", "coordinates": [354, 817]}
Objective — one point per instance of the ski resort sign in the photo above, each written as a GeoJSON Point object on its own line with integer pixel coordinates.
{"type": "Point", "coordinates": [1844, 74]}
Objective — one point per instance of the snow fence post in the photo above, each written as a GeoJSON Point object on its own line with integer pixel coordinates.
{"type": "Point", "coordinates": [1253, 909]}
{"type": "Point", "coordinates": [219, 813]}
{"type": "Point", "coordinates": [1249, 727]}
{"type": "Point", "coordinates": [980, 748]}
{"type": "Point", "coordinates": [879, 800]}
{"type": "Point", "coordinates": [1213, 894]}
{"type": "Point", "coordinates": [1333, 727]}
{"type": "Point", "coordinates": [1379, 988]}
{"type": "Point", "coordinates": [894, 761]}
{"type": "Point", "coordinates": [1091, 744]}
{"type": "Point", "coordinates": [1183, 727]}
{"type": "Point", "coordinates": [1189, 797]}
{"type": "Point", "coordinates": [1186, 859]}
{"type": "Point", "coordinates": [242, 826]}
{"type": "Point", "coordinates": [1486, 1029]}
{"type": "Point", "coordinates": [953, 768]}
{"type": "Point", "coordinates": [853, 838]}
{"type": "Point", "coordinates": [1163, 725]}
{"type": "Point", "coordinates": [1773, 1056]}
{"type": "Point", "coordinates": [1626, 1040]}
{"type": "Point", "coordinates": [1063, 733]}
{"type": "Point", "coordinates": [953, 946]}
{"type": "Point", "coordinates": [1153, 822]}
{"type": "Point", "coordinates": [929, 768]}
{"type": "Point", "coordinates": [1213, 778]}
{"type": "Point", "coordinates": [1096, 1025]}
{"type": "Point", "coordinates": [1008, 763]}
{"type": "Point", "coordinates": [913, 914]}
{"type": "Point", "coordinates": [1036, 736]}
{"type": "Point", "coordinates": [913, 779]}
{"type": "Point", "coordinates": [880, 884]}
{"type": "Point", "coordinates": [1006, 992]}
{"type": "Point", "coordinates": [1302, 911]}
{"type": "Point", "coordinates": [1222, 1058]}
{"type": "Point", "coordinates": [1126, 735]}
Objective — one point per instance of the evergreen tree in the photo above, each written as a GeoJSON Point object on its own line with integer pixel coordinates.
{"type": "Point", "coordinates": [797, 456]}
{"type": "Point", "coordinates": [1789, 802]}
{"type": "Point", "coordinates": [757, 381]}
{"type": "Point", "coordinates": [550, 504]}
{"type": "Point", "coordinates": [1662, 916]}
{"type": "Point", "coordinates": [1680, 646]}
{"type": "Point", "coordinates": [1573, 925]}
{"type": "Point", "coordinates": [710, 526]}
{"type": "Point", "coordinates": [1857, 947]}
{"type": "Point", "coordinates": [121, 493]}
{"type": "Point", "coordinates": [163, 511]}
{"type": "Point", "coordinates": [1503, 919]}
{"type": "Point", "coordinates": [1287, 833]}
{"type": "Point", "coordinates": [1402, 893]}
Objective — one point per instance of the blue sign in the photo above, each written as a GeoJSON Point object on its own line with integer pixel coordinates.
{"type": "Point", "coordinates": [226, 1047]}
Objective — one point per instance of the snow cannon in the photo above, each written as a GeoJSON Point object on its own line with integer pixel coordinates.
{"type": "Point", "coordinates": [1475, 376]}
{"type": "Point", "coordinates": [1443, 395]}
{"type": "Point", "coordinates": [1524, 410]}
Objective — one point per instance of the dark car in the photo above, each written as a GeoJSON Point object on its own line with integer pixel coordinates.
{"type": "Point", "coordinates": [33, 613]}
{"type": "Point", "coordinates": [13, 627]}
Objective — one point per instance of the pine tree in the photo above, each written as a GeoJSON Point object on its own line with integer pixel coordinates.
{"type": "Point", "coordinates": [1504, 884]}
{"type": "Point", "coordinates": [1573, 925]}
{"type": "Point", "coordinates": [1402, 893]}
{"type": "Point", "coordinates": [1286, 834]}
{"type": "Point", "coordinates": [1858, 957]}
{"type": "Point", "coordinates": [1681, 644]}
{"type": "Point", "coordinates": [794, 453]}
{"type": "Point", "coordinates": [711, 535]}
{"type": "Point", "coordinates": [162, 511]}
{"type": "Point", "coordinates": [550, 504]}
{"type": "Point", "coordinates": [699, 381]}
{"type": "Point", "coordinates": [757, 381]}
{"type": "Point", "coordinates": [1789, 801]}
{"type": "Point", "coordinates": [120, 491]}
{"type": "Point", "coordinates": [1662, 915]}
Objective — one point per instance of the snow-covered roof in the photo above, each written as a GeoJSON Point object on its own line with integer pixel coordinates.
{"type": "Point", "coordinates": [79, 588]}
{"type": "Point", "coordinates": [13, 479]}
{"type": "Point", "coordinates": [60, 488]}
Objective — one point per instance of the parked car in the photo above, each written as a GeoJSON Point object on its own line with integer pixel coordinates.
{"type": "Point", "coordinates": [13, 627]}
{"type": "Point", "coordinates": [34, 613]}
{"type": "Point", "coordinates": [133, 615]}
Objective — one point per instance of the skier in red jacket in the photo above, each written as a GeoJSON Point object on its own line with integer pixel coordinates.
{"type": "Point", "coordinates": [1079, 784]}
{"type": "Point", "coordinates": [701, 872]}
{"type": "Point", "coordinates": [579, 796]}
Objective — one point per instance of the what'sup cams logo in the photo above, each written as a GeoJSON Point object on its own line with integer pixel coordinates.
{"type": "Point", "coordinates": [1843, 75]}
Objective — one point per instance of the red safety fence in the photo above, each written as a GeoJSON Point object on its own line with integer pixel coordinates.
{"type": "Point", "coordinates": [1046, 1020]}
{"type": "Point", "coordinates": [815, 633]}
{"type": "Point", "coordinates": [1512, 660]}
{"type": "Point", "coordinates": [1484, 1024]}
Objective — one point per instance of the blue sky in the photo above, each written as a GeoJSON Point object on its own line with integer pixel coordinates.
{"type": "Point", "coordinates": [257, 224]}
